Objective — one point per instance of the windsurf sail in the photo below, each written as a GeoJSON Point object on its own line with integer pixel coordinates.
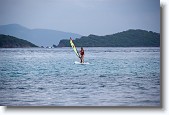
{"type": "Point", "coordinates": [74, 48]}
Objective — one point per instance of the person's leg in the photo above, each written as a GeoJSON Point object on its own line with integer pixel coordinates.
{"type": "Point", "coordinates": [83, 59]}
{"type": "Point", "coordinates": [80, 59]}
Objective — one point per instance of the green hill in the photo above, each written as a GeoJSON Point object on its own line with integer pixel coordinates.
{"type": "Point", "coordinates": [129, 38]}
{"type": "Point", "coordinates": [7, 41]}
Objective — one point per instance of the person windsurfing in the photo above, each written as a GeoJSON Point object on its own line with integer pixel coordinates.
{"type": "Point", "coordinates": [82, 55]}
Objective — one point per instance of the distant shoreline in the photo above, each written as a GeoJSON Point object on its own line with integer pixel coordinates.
{"type": "Point", "coordinates": [129, 38]}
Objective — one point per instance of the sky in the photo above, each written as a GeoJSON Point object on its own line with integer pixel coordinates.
{"type": "Point", "coordinates": [99, 17]}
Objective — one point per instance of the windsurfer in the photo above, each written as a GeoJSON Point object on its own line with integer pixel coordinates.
{"type": "Point", "coordinates": [82, 55]}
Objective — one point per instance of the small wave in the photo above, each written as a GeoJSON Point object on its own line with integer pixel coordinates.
{"type": "Point", "coordinates": [65, 88]}
{"type": "Point", "coordinates": [150, 101]}
{"type": "Point", "coordinates": [41, 88]}
{"type": "Point", "coordinates": [142, 88]}
{"type": "Point", "coordinates": [130, 97]}
{"type": "Point", "coordinates": [85, 97]}
{"type": "Point", "coordinates": [75, 83]}
{"type": "Point", "coordinates": [81, 88]}
{"type": "Point", "coordinates": [2, 88]}
{"type": "Point", "coordinates": [102, 76]}
{"type": "Point", "coordinates": [20, 88]}
{"type": "Point", "coordinates": [102, 85]}
{"type": "Point", "coordinates": [78, 83]}
{"type": "Point", "coordinates": [3, 69]}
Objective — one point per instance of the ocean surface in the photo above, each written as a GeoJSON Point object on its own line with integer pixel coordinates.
{"type": "Point", "coordinates": [49, 77]}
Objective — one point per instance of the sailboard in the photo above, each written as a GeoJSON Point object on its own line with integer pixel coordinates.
{"type": "Point", "coordinates": [85, 63]}
{"type": "Point", "coordinates": [74, 47]}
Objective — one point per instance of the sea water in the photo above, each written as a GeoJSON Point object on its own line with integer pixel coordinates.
{"type": "Point", "coordinates": [49, 77]}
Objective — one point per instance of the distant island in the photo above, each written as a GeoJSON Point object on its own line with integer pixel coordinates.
{"type": "Point", "coordinates": [7, 41]}
{"type": "Point", "coordinates": [40, 37]}
{"type": "Point", "coordinates": [129, 38]}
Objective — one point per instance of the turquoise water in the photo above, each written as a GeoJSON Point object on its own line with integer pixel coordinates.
{"type": "Point", "coordinates": [49, 77]}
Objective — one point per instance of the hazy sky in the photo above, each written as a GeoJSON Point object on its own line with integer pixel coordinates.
{"type": "Point", "coordinates": [84, 17]}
